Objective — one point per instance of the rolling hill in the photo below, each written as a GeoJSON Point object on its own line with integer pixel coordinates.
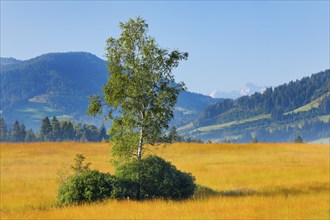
{"type": "Point", "coordinates": [52, 84]}
{"type": "Point", "coordinates": [300, 107]}
{"type": "Point", "coordinates": [60, 83]}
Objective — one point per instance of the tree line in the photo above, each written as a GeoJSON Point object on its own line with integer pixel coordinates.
{"type": "Point", "coordinates": [52, 130]}
{"type": "Point", "coordinates": [57, 131]}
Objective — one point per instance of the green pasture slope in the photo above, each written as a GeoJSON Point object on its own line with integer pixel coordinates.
{"type": "Point", "coordinates": [31, 114]}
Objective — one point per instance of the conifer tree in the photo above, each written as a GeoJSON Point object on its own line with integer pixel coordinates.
{"type": "Point", "coordinates": [56, 130]}
{"type": "Point", "coordinates": [46, 129]}
{"type": "Point", "coordinates": [3, 131]}
{"type": "Point", "coordinates": [22, 133]}
{"type": "Point", "coordinates": [30, 136]}
{"type": "Point", "coordinates": [16, 132]}
{"type": "Point", "coordinates": [68, 130]}
{"type": "Point", "coordinates": [103, 133]}
{"type": "Point", "coordinates": [299, 139]}
{"type": "Point", "coordinates": [173, 135]}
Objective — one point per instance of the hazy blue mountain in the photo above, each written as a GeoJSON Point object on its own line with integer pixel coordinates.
{"type": "Point", "coordinates": [60, 84]}
{"type": "Point", "coordinates": [190, 105]}
{"type": "Point", "coordinates": [52, 84]}
{"type": "Point", "coordinates": [8, 61]}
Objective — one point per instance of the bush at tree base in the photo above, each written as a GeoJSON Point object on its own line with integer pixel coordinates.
{"type": "Point", "coordinates": [148, 178]}
{"type": "Point", "coordinates": [124, 189]}
{"type": "Point", "coordinates": [157, 178]}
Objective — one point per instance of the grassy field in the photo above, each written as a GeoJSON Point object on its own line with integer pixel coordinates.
{"type": "Point", "coordinates": [254, 181]}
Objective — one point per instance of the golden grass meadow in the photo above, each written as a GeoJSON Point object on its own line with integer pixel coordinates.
{"type": "Point", "coordinates": [254, 181]}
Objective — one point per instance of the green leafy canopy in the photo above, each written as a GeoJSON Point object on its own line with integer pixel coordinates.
{"type": "Point", "coordinates": [140, 87]}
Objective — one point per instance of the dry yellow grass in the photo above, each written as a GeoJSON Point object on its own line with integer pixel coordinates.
{"type": "Point", "coordinates": [255, 181]}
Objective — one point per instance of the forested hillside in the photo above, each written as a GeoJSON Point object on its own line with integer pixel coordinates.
{"type": "Point", "coordinates": [63, 81]}
{"type": "Point", "coordinates": [189, 106]}
{"type": "Point", "coordinates": [287, 108]}
{"type": "Point", "coordinates": [60, 83]}
{"type": "Point", "coordinates": [275, 101]}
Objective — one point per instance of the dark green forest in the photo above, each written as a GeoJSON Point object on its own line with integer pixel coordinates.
{"type": "Point", "coordinates": [52, 130]}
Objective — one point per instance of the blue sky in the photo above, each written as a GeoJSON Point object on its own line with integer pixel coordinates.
{"type": "Point", "coordinates": [230, 43]}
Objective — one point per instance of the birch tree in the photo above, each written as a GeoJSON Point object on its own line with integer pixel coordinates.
{"type": "Point", "coordinates": [140, 90]}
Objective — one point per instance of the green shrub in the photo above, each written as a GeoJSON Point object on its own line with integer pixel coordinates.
{"type": "Point", "coordinates": [124, 189]}
{"type": "Point", "coordinates": [149, 178]}
{"type": "Point", "coordinates": [156, 178]}
{"type": "Point", "coordinates": [86, 186]}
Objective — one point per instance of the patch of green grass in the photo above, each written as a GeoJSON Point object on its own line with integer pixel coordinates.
{"type": "Point", "coordinates": [220, 126]}
{"type": "Point", "coordinates": [322, 141]}
{"type": "Point", "coordinates": [324, 118]}
{"type": "Point", "coordinates": [31, 114]}
{"type": "Point", "coordinates": [185, 111]}
{"type": "Point", "coordinates": [309, 106]}
{"type": "Point", "coordinates": [64, 117]}
{"type": "Point", "coordinates": [215, 127]}
{"type": "Point", "coordinates": [187, 126]}
{"type": "Point", "coordinates": [35, 110]}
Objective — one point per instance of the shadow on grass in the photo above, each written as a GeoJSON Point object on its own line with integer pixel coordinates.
{"type": "Point", "coordinates": [203, 192]}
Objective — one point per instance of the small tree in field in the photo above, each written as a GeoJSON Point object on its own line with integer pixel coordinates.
{"type": "Point", "coordinates": [140, 87]}
{"type": "Point", "coordinates": [299, 139]}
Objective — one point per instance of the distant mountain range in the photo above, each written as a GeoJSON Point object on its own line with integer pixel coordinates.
{"type": "Point", "coordinates": [247, 89]}
{"type": "Point", "coordinates": [60, 83]}
{"type": "Point", "coordinates": [300, 107]}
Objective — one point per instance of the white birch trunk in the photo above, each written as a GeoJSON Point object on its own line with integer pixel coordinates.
{"type": "Point", "coordinates": [139, 151]}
